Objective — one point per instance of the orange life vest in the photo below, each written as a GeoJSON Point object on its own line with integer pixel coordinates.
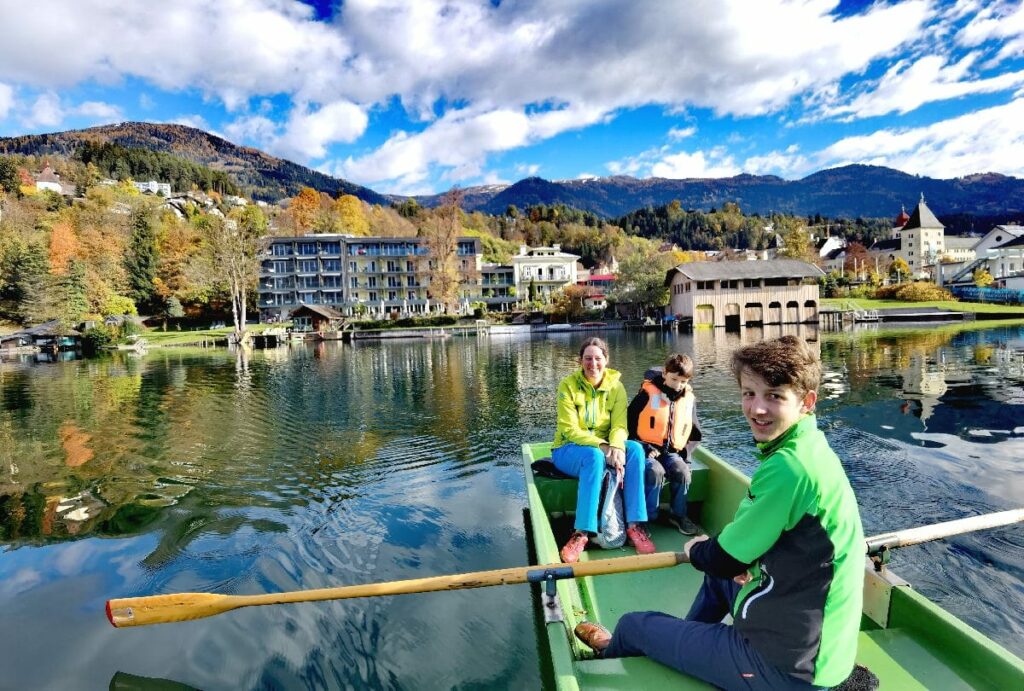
{"type": "Point", "coordinates": [663, 419]}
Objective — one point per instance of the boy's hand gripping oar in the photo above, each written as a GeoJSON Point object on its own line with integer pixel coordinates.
{"type": "Point", "coordinates": [162, 609]}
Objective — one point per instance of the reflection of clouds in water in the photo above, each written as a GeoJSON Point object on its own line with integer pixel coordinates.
{"type": "Point", "coordinates": [19, 581]}
{"type": "Point", "coordinates": [995, 467]}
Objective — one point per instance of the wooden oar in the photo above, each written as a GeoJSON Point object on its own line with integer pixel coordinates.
{"type": "Point", "coordinates": [163, 609]}
{"type": "Point", "coordinates": [936, 531]}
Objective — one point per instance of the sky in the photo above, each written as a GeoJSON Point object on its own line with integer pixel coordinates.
{"type": "Point", "coordinates": [415, 97]}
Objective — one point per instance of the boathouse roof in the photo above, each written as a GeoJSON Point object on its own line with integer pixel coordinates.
{"type": "Point", "coordinates": [773, 268]}
{"type": "Point", "coordinates": [321, 310]}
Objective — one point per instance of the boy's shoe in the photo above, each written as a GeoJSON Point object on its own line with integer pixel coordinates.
{"type": "Point", "coordinates": [641, 542]}
{"type": "Point", "coordinates": [683, 524]}
{"type": "Point", "coordinates": [574, 548]}
{"type": "Point", "coordinates": [593, 635]}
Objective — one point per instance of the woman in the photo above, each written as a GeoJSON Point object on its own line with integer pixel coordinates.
{"type": "Point", "coordinates": [591, 435]}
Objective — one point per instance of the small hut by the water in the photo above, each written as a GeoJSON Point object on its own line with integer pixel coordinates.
{"type": "Point", "coordinates": [319, 318]}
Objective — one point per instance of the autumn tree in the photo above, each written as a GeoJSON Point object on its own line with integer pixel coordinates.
{"type": "Point", "coordinates": [568, 302]}
{"type": "Point", "coordinates": [641, 278]}
{"type": "Point", "coordinates": [982, 278]}
{"type": "Point", "coordinates": [70, 293]}
{"type": "Point", "coordinates": [797, 243]}
{"type": "Point", "coordinates": [351, 216]}
{"type": "Point", "coordinates": [899, 269]}
{"type": "Point", "coordinates": [63, 247]}
{"type": "Point", "coordinates": [304, 209]}
{"type": "Point", "coordinates": [234, 245]}
{"type": "Point", "coordinates": [856, 257]}
{"type": "Point", "coordinates": [441, 234]}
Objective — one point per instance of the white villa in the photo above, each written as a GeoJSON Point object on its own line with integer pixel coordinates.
{"type": "Point", "coordinates": [732, 294]}
{"type": "Point", "coordinates": [548, 269]}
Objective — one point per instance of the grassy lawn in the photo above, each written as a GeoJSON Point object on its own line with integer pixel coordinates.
{"type": "Point", "coordinates": [171, 337]}
{"type": "Point", "coordinates": [951, 305]}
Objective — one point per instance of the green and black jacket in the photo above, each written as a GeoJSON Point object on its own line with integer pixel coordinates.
{"type": "Point", "coordinates": [799, 534]}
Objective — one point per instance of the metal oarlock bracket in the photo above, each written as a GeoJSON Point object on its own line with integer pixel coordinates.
{"type": "Point", "coordinates": [549, 594]}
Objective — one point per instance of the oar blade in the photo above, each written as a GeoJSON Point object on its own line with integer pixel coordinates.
{"type": "Point", "coordinates": [162, 609]}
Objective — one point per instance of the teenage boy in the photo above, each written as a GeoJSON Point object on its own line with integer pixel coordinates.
{"type": "Point", "coordinates": [662, 417]}
{"type": "Point", "coordinates": [790, 565]}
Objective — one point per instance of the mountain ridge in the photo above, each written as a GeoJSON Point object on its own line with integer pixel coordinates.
{"type": "Point", "coordinates": [264, 176]}
{"type": "Point", "coordinates": [850, 191]}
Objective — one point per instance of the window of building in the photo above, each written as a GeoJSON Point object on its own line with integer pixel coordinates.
{"type": "Point", "coordinates": [352, 267]}
{"type": "Point", "coordinates": [394, 281]}
{"type": "Point", "coordinates": [282, 250]}
{"type": "Point", "coordinates": [687, 287]}
{"type": "Point", "coordinates": [392, 295]}
{"type": "Point", "coordinates": [353, 282]}
{"type": "Point", "coordinates": [307, 248]}
{"type": "Point", "coordinates": [393, 266]}
{"type": "Point", "coordinates": [373, 296]}
{"type": "Point", "coordinates": [308, 266]}
{"type": "Point", "coordinates": [409, 266]}
{"type": "Point", "coordinates": [411, 294]}
{"type": "Point", "coordinates": [332, 265]}
{"type": "Point", "coordinates": [373, 266]}
{"type": "Point", "coordinates": [330, 247]}
{"type": "Point", "coordinates": [280, 267]}
{"type": "Point", "coordinates": [371, 282]}
{"type": "Point", "coordinates": [751, 282]}
{"type": "Point", "coordinates": [410, 280]}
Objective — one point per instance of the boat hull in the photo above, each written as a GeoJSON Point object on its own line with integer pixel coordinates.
{"type": "Point", "coordinates": [906, 640]}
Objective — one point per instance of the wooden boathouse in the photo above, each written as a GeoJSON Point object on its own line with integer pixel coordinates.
{"type": "Point", "coordinates": [732, 294]}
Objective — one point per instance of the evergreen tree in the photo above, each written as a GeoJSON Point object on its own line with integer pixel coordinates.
{"type": "Point", "coordinates": [69, 290]}
{"type": "Point", "coordinates": [142, 260]}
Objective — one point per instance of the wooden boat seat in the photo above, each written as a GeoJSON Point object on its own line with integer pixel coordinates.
{"type": "Point", "coordinates": [560, 495]}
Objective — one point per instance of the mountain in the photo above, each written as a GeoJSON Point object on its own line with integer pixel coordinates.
{"type": "Point", "coordinates": [259, 174]}
{"type": "Point", "coordinates": [849, 192]}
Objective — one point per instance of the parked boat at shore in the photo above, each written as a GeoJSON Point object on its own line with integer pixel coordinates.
{"type": "Point", "coordinates": [906, 640]}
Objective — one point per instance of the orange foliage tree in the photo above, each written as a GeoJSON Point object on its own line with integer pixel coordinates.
{"type": "Point", "coordinates": [63, 247]}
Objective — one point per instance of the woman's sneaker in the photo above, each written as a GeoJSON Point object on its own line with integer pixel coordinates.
{"type": "Point", "coordinates": [574, 548]}
{"type": "Point", "coordinates": [684, 525]}
{"type": "Point", "coordinates": [641, 542]}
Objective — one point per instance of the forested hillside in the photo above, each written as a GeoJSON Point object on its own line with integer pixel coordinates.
{"type": "Point", "coordinates": [258, 174]}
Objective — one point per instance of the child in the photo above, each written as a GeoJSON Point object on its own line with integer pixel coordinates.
{"type": "Point", "coordinates": [790, 565]}
{"type": "Point", "coordinates": [663, 418]}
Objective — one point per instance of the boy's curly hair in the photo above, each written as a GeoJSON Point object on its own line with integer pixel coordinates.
{"type": "Point", "coordinates": [788, 360]}
{"type": "Point", "coordinates": [680, 364]}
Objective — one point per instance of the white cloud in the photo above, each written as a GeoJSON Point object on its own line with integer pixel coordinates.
{"type": "Point", "coordinates": [252, 128]}
{"type": "Point", "coordinates": [991, 139]}
{"type": "Point", "coordinates": [197, 121]}
{"type": "Point", "coordinates": [45, 111]}
{"type": "Point", "coordinates": [308, 132]}
{"type": "Point", "coordinates": [1001, 21]}
{"type": "Point", "coordinates": [908, 85]}
{"type": "Point", "coordinates": [98, 110]}
{"type": "Point", "coordinates": [581, 61]}
{"type": "Point", "coordinates": [698, 164]}
{"type": "Point", "coordinates": [527, 170]}
{"type": "Point", "coordinates": [788, 164]}
{"type": "Point", "coordinates": [458, 143]}
{"type": "Point", "coordinates": [677, 133]}
{"type": "Point", "coordinates": [6, 100]}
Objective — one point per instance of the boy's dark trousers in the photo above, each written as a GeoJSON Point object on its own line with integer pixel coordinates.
{"type": "Point", "coordinates": [700, 645]}
{"type": "Point", "coordinates": [673, 466]}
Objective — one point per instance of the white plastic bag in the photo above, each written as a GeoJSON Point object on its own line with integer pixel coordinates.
{"type": "Point", "coordinates": [611, 518]}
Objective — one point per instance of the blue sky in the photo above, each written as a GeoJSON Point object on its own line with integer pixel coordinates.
{"type": "Point", "coordinates": [414, 97]}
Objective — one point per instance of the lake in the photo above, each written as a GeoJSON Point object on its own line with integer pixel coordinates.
{"type": "Point", "coordinates": [339, 464]}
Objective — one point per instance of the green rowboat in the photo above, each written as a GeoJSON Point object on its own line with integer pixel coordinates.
{"type": "Point", "coordinates": [908, 641]}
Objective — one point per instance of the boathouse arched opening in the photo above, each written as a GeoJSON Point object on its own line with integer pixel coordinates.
{"type": "Point", "coordinates": [774, 313]}
{"type": "Point", "coordinates": [792, 312]}
{"type": "Point", "coordinates": [704, 315]}
{"type": "Point", "coordinates": [753, 313]}
{"type": "Point", "coordinates": [810, 311]}
{"type": "Point", "coordinates": [732, 316]}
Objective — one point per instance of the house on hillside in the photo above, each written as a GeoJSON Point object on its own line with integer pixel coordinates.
{"type": "Point", "coordinates": [732, 294]}
{"type": "Point", "coordinates": [49, 180]}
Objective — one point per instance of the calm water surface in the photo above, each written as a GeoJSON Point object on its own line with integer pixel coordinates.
{"type": "Point", "coordinates": [337, 464]}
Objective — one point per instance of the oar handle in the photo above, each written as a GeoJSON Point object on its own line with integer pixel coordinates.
{"type": "Point", "coordinates": [915, 536]}
{"type": "Point", "coordinates": [160, 609]}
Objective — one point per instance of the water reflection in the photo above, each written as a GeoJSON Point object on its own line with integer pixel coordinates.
{"type": "Point", "coordinates": [338, 464]}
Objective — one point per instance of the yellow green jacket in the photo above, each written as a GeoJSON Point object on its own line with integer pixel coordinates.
{"type": "Point", "coordinates": [589, 416]}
